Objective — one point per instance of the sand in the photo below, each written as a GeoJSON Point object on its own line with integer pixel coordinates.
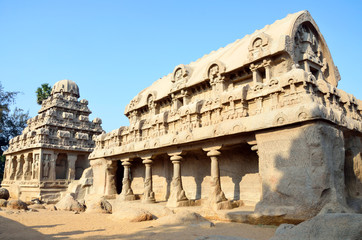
{"type": "Point", "coordinates": [46, 224]}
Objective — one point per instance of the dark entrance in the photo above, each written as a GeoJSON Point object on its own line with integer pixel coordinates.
{"type": "Point", "coordinates": [119, 177]}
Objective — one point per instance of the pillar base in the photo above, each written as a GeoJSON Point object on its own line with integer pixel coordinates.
{"type": "Point", "coordinates": [182, 203]}
{"type": "Point", "coordinates": [148, 200]}
{"type": "Point", "coordinates": [218, 205]}
{"type": "Point", "coordinates": [127, 197]}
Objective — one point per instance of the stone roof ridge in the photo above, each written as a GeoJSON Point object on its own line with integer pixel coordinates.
{"type": "Point", "coordinates": [233, 56]}
{"type": "Point", "coordinates": [266, 27]}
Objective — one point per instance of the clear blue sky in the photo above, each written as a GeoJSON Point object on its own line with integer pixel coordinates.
{"type": "Point", "coordinates": [114, 49]}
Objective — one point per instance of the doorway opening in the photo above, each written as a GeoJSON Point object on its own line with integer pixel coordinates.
{"type": "Point", "coordinates": [119, 177]}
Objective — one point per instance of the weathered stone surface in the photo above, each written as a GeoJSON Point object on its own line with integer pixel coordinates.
{"type": "Point", "coordinates": [68, 203]}
{"type": "Point", "coordinates": [333, 226]}
{"type": "Point", "coordinates": [37, 206]}
{"type": "Point", "coordinates": [3, 202]}
{"type": "Point", "coordinates": [17, 204]}
{"type": "Point", "coordinates": [305, 175]}
{"type": "Point", "coordinates": [99, 205]}
{"type": "Point", "coordinates": [137, 211]}
{"type": "Point", "coordinates": [82, 187]}
{"type": "Point", "coordinates": [185, 217]}
{"type": "Point", "coordinates": [133, 215]}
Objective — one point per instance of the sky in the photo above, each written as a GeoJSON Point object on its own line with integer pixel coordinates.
{"type": "Point", "coordinates": [114, 49]}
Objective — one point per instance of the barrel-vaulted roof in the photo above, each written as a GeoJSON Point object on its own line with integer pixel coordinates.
{"type": "Point", "coordinates": [279, 37]}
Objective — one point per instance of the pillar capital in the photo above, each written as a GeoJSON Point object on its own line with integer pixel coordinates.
{"type": "Point", "coordinates": [176, 158]}
{"type": "Point", "coordinates": [208, 149]}
{"type": "Point", "coordinates": [147, 161]}
{"type": "Point", "coordinates": [126, 163]}
{"type": "Point", "coordinates": [213, 153]}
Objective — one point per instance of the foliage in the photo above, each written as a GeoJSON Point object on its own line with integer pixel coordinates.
{"type": "Point", "coordinates": [11, 122]}
{"type": "Point", "coordinates": [43, 93]}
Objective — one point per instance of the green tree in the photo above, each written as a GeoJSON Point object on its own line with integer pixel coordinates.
{"type": "Point", "coordinates": [43, 93]}
{"type": "Point", "coordinates": [11, 123]}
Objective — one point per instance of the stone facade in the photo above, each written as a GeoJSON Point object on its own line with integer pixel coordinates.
{"type": "Point", "coordinates": [260, 121]}
{"type": "Point", "coordinates": [53, 149]}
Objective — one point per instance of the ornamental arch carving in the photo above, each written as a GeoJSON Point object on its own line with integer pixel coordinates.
{"type": "Point", "coordinates": [214, 71]}
{"type": "Point", "coordinates": [259, 46]}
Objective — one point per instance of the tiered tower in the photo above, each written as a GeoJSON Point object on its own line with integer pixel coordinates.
{"type": "Point", "coordinates": [53, 149]}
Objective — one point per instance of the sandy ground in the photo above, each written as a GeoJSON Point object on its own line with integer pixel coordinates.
{"type": "Point", "coordinates": [47, 224]}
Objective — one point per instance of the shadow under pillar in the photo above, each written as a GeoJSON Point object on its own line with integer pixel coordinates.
{"type": "Point", "coordinates": [148, 194]}
{"type": "Point", "coordinates": [216, 199]}
{"type": "Point", "coordinates": [177, 197]}
{"type": "Point", "coordinates": [127, 193]}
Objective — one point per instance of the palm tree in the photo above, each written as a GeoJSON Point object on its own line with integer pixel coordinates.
{"type": "Point", "coordinates": [43, 93]}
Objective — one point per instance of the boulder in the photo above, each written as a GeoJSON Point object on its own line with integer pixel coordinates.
{"type": "Point", "coordinates": [155, 209]}
{"type": "Point", "coordinates": [81, 188]}
{"type": "Point", "coordinates": [68, 203]}
{"type": "Point", "coordinates": [323, 227]}
{"type": "Point", "coordinates": [37, 206]}
{"type": "Point", "coordinates": [17, 204]}
{"type": "Point", "coordinates": [100, 206]}
{"type": "Point", "coordinates": [4, 194]}
{"type": "Point", "coordinates": [185, 217]}
{"type": "Point", "coordinates": [133, 215]}
{"type": "Point", "coordinates": [3, 203]}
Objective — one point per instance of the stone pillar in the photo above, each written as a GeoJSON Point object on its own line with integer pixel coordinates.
{"type": "Point", "coordinates": [217, 199]}
{"type": "Point", "coordinates": [177, 197]}
{"type": "Point", "coordinates": [111, 169]}
{"type": "Point", "coordinates": [11, 169]}
{"type": "Point", "coordinates": [6, 168]}
{"type": "Point", "coordinates": [127, 193]}
{"type": "Point", "coordinates": [72, 158]}
{"type": "Point", "coordinates": [26, 168]}
{"type": "Point", "coordinates": [18, 168]}
{"type": "Point", "coordinates": [34, 166]}
{"type": "Point", "coordinates": [40, 165]}
{"type": "Point", "coordinates": [52, 161]}
{"type": "Point", "coordinates": [148, 194]}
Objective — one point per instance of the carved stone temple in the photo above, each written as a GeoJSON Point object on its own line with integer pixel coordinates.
{"type": "Point", "coordinates": [53, 149]}
{"type": "Point", "coordinates": [259, 122]}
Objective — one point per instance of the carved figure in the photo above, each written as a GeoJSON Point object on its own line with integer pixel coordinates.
{"type": "Point", "coordinates": [46, 168]}
{"type": "Point", "coordinates": [178, 74]}
{"type": "Point", "coordinates": [35, 168]}
{"type": "Point", "coordinates": [25, 169]}
{"type": "Point", "coordinates": [18, 169]}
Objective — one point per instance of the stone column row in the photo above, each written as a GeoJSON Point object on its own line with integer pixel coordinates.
{"type": "Point", "coordinates": [19, 168]}
{"type": "Point", "coordinates": [216, 199]}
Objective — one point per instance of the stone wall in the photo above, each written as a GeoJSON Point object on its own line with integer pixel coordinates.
{"type": "Point", "coordinates": [302, 168]}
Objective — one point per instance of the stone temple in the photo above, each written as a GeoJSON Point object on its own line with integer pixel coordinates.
{"type": "Point", "coordinates": [53, 149]}
{"type": "Point", "coordinates": [259, 123]}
